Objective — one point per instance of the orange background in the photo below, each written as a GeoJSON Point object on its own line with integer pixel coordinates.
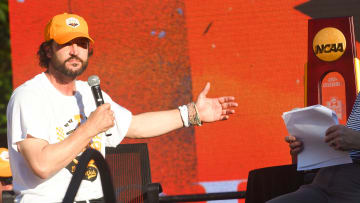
{"type": "Point", "coordinates": [155, 55]}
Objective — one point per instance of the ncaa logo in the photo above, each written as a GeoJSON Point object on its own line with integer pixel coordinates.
{"type": "Point", "coordinates": [329, 44]}
{"type": "Point", "coordinates": [72, 22]}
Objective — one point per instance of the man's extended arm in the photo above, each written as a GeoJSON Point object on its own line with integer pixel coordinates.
{"type": "Point", "coordinates": [157, 123]}
{"type": "Point", "coordinates": [46, 159]}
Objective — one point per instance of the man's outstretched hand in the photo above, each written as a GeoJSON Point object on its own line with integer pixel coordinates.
{"type": "Point", "coordinates": [214, 109]}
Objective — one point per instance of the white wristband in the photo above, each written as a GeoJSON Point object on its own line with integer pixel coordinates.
{"type": "Point", "coordinates": [184, 115]}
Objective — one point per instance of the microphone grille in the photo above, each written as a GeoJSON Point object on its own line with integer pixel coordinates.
{"type": "Point", "coordinates": [93, 80]}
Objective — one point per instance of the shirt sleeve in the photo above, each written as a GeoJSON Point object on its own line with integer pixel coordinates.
{"type": "Point", "coordinates": [123, 119]}
{"type": "Point", "coordinates": [27, 114]}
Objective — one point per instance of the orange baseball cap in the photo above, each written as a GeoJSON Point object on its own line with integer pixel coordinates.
{"type": "Point", "coordinates": [65, 27]}
{"type": "Point", "coordinates": [5, 170]}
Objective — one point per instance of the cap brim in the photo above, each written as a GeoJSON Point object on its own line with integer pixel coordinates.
{"type": "Point", "coordinates": [70, 36]}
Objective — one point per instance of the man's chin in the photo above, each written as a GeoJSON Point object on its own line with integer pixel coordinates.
{"type": "Point", "coordinates": [72, 72]}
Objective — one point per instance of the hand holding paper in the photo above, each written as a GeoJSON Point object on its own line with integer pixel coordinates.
{"type": "Point", "coordinates": [295, 145]}
{"type": "Point", "coordinates": [343, 138]}
{"type": "Point", "coordinates": [309, 125]}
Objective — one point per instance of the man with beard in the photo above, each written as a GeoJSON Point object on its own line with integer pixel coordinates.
{"type": "Point", "coordinates": [52, 118]}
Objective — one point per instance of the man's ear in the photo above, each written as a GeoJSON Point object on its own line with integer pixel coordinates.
{"type": "Point", "coordinates": [49, 50]}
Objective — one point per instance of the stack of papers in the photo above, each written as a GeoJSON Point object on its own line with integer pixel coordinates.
{"type": "Point", "coordinates": [309, 125]}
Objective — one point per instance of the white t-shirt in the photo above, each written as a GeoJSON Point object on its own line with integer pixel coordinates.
{"type": "Point", "coordinates": [37, 108]}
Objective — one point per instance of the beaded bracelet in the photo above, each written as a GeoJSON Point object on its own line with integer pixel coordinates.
{"type": "Point", "coordinates": [194, 118]}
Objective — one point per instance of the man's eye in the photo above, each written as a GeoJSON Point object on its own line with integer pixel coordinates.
{"type": "Point", "coordinates": [83, 44]}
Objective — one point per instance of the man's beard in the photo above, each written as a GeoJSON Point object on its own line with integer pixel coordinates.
{"type": "Point", "coordinates": [60, 67]}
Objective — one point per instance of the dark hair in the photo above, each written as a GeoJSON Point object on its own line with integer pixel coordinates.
{"type": "Point", "coordinates": [44, 60]}
{"type": "Point", "coordinates": [44, 48]}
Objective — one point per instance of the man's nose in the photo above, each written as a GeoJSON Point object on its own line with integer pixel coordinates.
{"type": "Point", "coordinates": [74, 49]}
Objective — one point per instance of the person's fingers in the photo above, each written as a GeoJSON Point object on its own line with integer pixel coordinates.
{"type": "Point", "coordinates": [112, 115]}
{"type": "Point", "coordinates": [229, 105]}
{"type": "Point", "coordinates": [331, 129]}
{"type": "Point", "coordinates": [290, 138]}
{"type": "Point", "coordinates": [295, 151]}
{"type": "Point", "coordinates": [331, 136]}
{"type": "Point", "coordinates": [296, 147]}
{"type": "Point", "coordinates": [295, 144]}
{"type": "Point", "coordinates": [106, 106]}
{"type": "Point", "coordinates": [228, 111]}
{"type": "Point", "coordinates": [336, 144]}
{"type": "Point", "coordinates": [226, 99]}
{"type": "Point", "coordinates": [225, 117]}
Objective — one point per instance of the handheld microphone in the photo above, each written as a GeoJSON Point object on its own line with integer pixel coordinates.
{"type": "Point", "coordinates": [94, 83]}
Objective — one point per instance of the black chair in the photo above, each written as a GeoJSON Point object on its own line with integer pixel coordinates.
{"type": "Point", "coordinates": [130, 170]}
{"type": "Point", "coordinates": [267, 183]}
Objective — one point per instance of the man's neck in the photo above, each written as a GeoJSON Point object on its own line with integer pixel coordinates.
{"type": "Point", "coordinates": [63, 84]}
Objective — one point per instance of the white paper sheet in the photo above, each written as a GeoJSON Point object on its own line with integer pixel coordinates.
{"type": "Point", "coordinates": [309, 125]}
